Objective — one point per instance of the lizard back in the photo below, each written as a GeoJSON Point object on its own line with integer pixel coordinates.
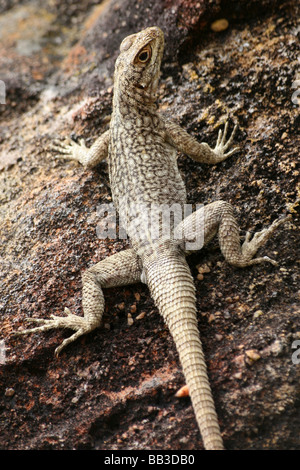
{"type": "Point", "coordinates": [142, 165]}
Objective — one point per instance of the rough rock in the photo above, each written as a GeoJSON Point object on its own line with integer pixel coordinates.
{"type": "Point", "coordinates": [114, 389]}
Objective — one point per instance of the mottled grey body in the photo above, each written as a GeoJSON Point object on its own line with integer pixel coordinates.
{"type": "Point", "coordinates": [142, 165]}
{"type": "Point", "coordinates": [141, 148]}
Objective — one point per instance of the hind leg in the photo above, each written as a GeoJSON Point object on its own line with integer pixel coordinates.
{"type": "Point", "coordinates": [116, 270]}
{"type": "Point", "coordinates": [200, 227]}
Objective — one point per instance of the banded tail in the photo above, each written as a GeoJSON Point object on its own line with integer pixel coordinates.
{"type": "Point", "coordinates": [172, 288]}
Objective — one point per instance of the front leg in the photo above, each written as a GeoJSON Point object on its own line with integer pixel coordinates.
{"type": "Point", "coordinates": [120, 269]}
{"type": "Point", "coordinates": [200, 152]}
{"type": "Point", "coordinates": [88, 157]}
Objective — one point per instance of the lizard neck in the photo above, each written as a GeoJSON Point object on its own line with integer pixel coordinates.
{"type": "Point", "coordinates": [131, 100]}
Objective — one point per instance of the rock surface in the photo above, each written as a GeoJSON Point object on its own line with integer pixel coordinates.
{"type": "Point", "coordinates": [114, 389]}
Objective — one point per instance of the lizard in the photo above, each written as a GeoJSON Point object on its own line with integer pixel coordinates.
{"type": "Point", "coordinates": [141, 148]}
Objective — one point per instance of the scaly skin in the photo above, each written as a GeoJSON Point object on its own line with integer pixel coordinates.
{"type": "Point", "coordinates": [141, 149]}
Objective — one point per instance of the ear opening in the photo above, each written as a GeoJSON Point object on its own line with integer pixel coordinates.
{"type": "Point", "coordinates": [127, 43]}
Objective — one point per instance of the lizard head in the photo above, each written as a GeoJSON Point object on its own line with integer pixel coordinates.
{"type": "Point", "coordinates": [137, 68]}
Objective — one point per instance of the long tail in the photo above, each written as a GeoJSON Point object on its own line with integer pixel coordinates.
{"type": "Point", "coordinates": [172, 288]}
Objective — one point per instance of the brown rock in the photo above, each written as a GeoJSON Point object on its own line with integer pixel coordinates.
{"type": "Point", "coordinates": [59, 83]}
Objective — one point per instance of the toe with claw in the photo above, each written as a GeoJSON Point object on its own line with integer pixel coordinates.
{"type": "Point", "coordinates": [250, 247]}
{"type": "Point", "coordinates": [79, 324]}
{"type": "Point", "coordinates": [222, 145]}
{"type": "Point", "coordinates": [70, 150]}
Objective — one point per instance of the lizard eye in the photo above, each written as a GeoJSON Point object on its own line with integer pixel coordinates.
{"type": "Point", "coordinates": [144, 55]}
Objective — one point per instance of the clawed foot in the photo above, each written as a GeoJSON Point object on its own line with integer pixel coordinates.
{"type": "Point", "coordinates": [74, 322]}
{"type": "Point", "coordinates": [70, 150]}
{"type": "Point", "coordinates": [222, 145]}
{"type": "Point", "coordinates": [250, 247]}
